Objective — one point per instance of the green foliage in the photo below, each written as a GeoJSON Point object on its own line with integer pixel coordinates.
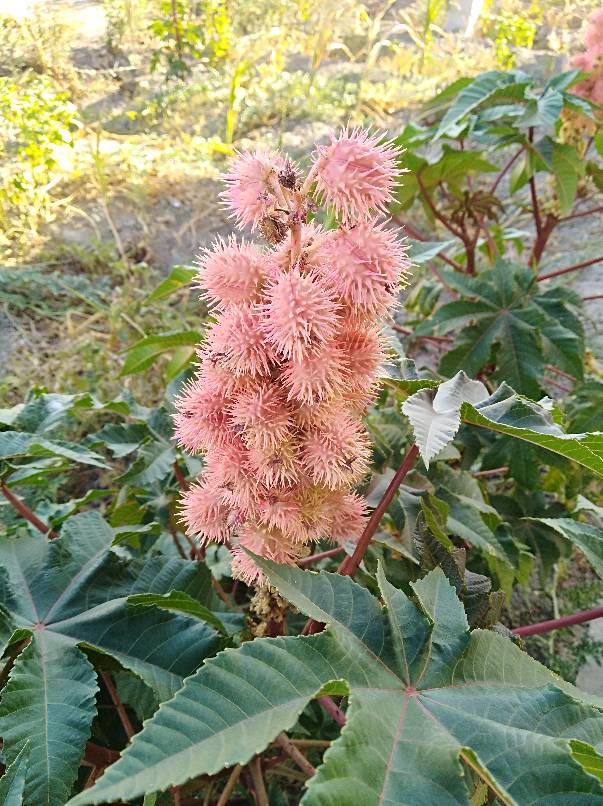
{"type": "Point", "coordinates": [72, 593]}
{"type": "Point", "coordinates": [426, 696]}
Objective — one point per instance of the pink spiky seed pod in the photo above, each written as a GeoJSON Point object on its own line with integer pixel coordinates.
{"type": "Point", "coordinates": [231, 272]}
{"type": "Point", "coordinates": [337, 453]}
{"type": "Point", "coordinates": [238, 486]}
{"type": "Point", "coordinates": [316, 376]}
{"type": "Point", "coordinates": [300, 314]}
{"type": "Point", "coordinates": [349, 516]}
{"type": "Point", "coordinates": [282, 510]}
{"type": "Point", "coordinates": [252, 188]}
{"type": "Point", "coordinates": [311, 257]}
{"type": "Point", "coordinates": [201, 419]}
{"type": "Point", "coordinates": [366, 266]}
{"type": "Point", "coordinates": [356, 174]}
{"type": "Point", "coordinates": [362, 349]}
{"type": "Point", "coordinates": [316, 512]}
{"type": "Point", "coordinates": [238, 342]}
{"type": "Point", "coordinates": [205, 515]}
{"type": "Point", "coordinates": [276, 467]}
{"type": "Point", "coordinates": [265, 542]}
{"type": "Point", "coordinates": [262, 415]}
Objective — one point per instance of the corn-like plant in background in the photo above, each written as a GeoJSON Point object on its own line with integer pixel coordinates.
{"type": "Point", "coordinates": [291, 361]}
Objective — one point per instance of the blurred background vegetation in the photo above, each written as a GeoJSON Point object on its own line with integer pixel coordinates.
{"type": "Point", "coordinates": [117, 117]}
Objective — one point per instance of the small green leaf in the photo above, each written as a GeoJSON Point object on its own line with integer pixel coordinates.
{"type": "Point", "coordinates": [178, 602]}
{"type": "Point", "coordinates": [146, 351]}
{"type": "Point", "coordinates": [179, 277]}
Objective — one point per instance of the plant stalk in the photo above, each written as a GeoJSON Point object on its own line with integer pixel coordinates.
{"type": "Point", "coordinates": [559, 623]}
{"type": "Point", "coordinates": [26, 512]}
{"type": "Point", "coordinates": [576, 267]}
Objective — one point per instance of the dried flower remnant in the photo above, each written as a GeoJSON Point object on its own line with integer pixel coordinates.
{"type": "Point", "coordinates": [293, 357]}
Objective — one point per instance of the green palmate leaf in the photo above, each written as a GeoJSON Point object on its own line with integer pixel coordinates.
{"type": "Point", "coordinates": [589, 539]}
{"type": "Point", "coordinates": [120, 439]}
{"type": "Point", "coordinates": [73, 592]}
{"type": "Point", "coordinates": [12, 783]}
{"type": "Point", "coordinates": [509, 320]}
{"type": "Point", "coordinates": [15, 444]}
{"type": "Point", "coordinates": [48, 706]}
{"type": "Point", "coordinates": [425, 694]}
{"type": "Point", "coordinates": [484, 87]}
{"type": "Point", "coordinates": [146, 351]}
{"type": "Point", "coordinates": [508, 413]}
{"type": "Point", "coordinates": [179, 277]}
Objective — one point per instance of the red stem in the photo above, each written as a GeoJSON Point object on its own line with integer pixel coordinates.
{"type": "Point", "coordinates": [576, 267]}
{"type": "Point", "coordinates": [533, 194]}
{"type": "Point", "coordinates": [583, 213]}
{"type": "Point", "coordinates": [26, 512]}
{"type": "Point", "coordinates": [441, 218]}
{"type": "Point", "coordinates": [418, 236]}
{"type": "Point", "coordinates": [506, 169]}
{"type": "Point", "coordinates": [121, 711]}
{"type": "Point", "coordinates": [322, 555]}
{"type": "Point", "coordinates": [333, 710]}
{"type": "Point", "coordinates": [350, 564]}
{"type": "Point", "coordinates": [556, 371]}
{"type": "Point", "coordinates": [406, 331]}
{"type": "Point", "coordinates": [559, 623]}
{"type": "Point", "coordinates": [595, 296]}
{"type": "Point", "coordinates": [542, 239]}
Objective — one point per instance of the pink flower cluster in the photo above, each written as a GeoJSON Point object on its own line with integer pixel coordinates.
{"type": "Point", "coordinates": [293, 357]}
{"type": "Point", "coordinates": [591, 60]}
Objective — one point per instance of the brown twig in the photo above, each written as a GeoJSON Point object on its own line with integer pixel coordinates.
{"type": "Point", "coordinates": [486, 474]}
{"type": "Point", "coordinates": [119, 706]}
{"type": "Point", "coordinates": [26, 512]}
{"type": "Point", "coordinates": [175, 790]}
{"type": "Point", "coordinates": [182, 482]}
{"type": "Point", "coordinates": [576, 267]}
{"type": "Point", "coordinates": [285, 743]}
{"type": "Point", "coordinates": [230, 785]}
{"type": "Point", "coordinates": [179, 548]}
{"type": "Point", "coordinates": [556, 371]}
{"type": "Point", "coordinates": [333, 710]}
{"type": "Point", "coordinates": [595, 296]}
{"type": "Point", "coordinates": [261, 796]}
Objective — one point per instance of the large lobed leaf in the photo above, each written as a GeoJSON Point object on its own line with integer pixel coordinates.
{"type": "Point", "coordinates": [73, 592]}
{"type": "Point", "coordinates": [425, 694]}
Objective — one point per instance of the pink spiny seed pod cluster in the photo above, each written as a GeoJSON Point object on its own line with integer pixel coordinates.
{"type": "Point", "coordinates": [591, 60]}
{"type": "Point", "coordinates": [293, 357]}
